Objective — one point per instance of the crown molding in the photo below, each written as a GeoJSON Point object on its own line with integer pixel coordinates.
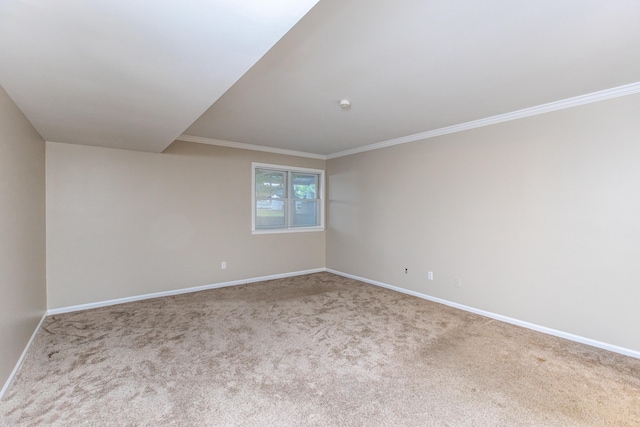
{"type": "Point", "coordinates": [219, 142]}
{"type": "Point", "coordinates": [590, 98]}
{"type": "Point", "coordinates": [576, 101]}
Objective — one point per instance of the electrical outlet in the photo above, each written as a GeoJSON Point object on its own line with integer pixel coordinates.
{"type": "Point", "coordinates": [457, 282]}
{"type": "Point", "coordinates": [430, 275]}
{"type": "Point", "coordinates": [224, 265]}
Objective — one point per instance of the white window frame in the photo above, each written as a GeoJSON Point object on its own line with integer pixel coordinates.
{"type": "Point", "coordinates": [286, 229]}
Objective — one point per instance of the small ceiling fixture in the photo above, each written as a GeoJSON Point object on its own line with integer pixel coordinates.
{"type": "Point", "coordinates": [345, 103]}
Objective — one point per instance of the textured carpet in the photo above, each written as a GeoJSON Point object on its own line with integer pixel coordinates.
{"type": "Point", "coordinates": [311, 350]}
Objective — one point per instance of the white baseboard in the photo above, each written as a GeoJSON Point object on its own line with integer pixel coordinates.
{"type": "Point", "coordinates": [532, 326]}
{"type": "Point", "coordinates": [538, 328]}
{"type": "Point", "coordinates": [22, 356]}
{"type": "Point", "coordinates": [138, 298]}
{"type": "Point", "coordinates": [177, 292]}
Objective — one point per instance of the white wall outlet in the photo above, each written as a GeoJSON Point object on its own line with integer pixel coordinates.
{"type": "Point", "coordinates": [457, 282]}
{"type": "Point", "coordinates": [224, 265]}
{"type": "Point", "coordinates": [430, 275]}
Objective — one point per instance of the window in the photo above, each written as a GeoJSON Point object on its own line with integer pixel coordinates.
{"type": "Point", "coordinates": [286, 199]}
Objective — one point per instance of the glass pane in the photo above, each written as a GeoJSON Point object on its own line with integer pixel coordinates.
{"type": "Point", "coordinates": [306, 213]}
{"type": "Point", "coordinates": [271, 201]}
{"type": "Point", "coordinates": [305, 185]}
{"type": "Point", "coordinates": [270, 213]}
{"type": "Point", "coordinates": [271, 184]}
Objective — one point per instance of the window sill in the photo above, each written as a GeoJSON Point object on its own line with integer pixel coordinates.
{"type": "Point", "coordinates": [287, 230]}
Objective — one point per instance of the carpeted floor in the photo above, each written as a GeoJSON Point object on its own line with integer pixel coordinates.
{"type": "Point", "coordinates": [316, 350]}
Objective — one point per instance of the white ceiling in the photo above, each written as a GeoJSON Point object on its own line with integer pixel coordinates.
{"type": "Point", "coordinates": [413, 66]}
{"type": "Point", "coordinates": [136, 75]}
{"type": "Point", "coordinates": [131, 73]}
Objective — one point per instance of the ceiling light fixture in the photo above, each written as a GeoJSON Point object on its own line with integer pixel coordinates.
{"type": "Point", "coordinates": [345, 103]}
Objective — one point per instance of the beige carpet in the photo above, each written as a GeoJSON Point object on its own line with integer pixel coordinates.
{"type": "Point", "coordinates": [316, 350]}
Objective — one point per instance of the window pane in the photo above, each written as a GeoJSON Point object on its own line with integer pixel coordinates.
{"type": "Point", "coordinates": [271, 202]}
{"type": "Point", "coordinates": [270, 213]}
{"type": "Point", "coordinates": [286, 199]}
{"type": "Point", "coordinates": [305, 213]}
{"type": "Point", "coordinates": [305, 186]}
{"type": "Point", "coordinates": [271, 184]}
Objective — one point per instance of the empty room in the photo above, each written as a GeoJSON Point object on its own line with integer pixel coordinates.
{"type": "Point", "coordinates": [319, 212]}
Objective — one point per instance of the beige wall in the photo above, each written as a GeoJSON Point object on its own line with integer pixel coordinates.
{"type": "Point", "coordinates": [22, 233]}
{"type": "Point", "coordinates": [123, 223]}
{"type": "Point", "coordinates": [539, 217]}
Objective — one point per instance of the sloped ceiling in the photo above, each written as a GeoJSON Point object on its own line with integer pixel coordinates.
{"type": "Point", "coordinates": [413, 66]}
{"type": "Point", "coordinates": [131, 73]}
{"type": "Point", "coordinates": [136, 75]}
